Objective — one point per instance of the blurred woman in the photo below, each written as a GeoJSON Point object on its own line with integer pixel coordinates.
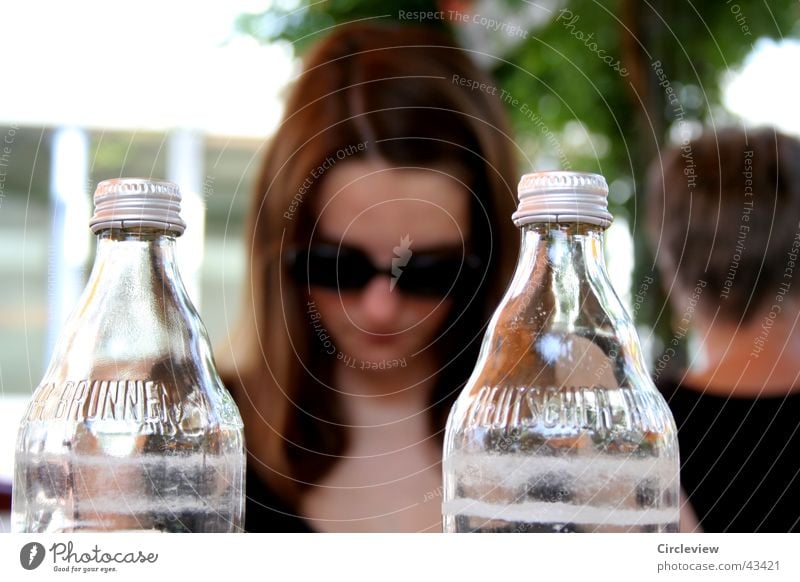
{"type": "Point", "coordinates": [379, 241]}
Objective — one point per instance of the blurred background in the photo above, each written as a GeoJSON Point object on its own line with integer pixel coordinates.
{"type": "Point", "coordinates": [189, 92]}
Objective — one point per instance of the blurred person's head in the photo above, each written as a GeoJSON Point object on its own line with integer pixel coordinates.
{"type": "Point", "coordinates": [390, 254]}
{"type": "Point", "coordinates": [379, 236]}
{"type": "Point", "coordinates": [723, 215]}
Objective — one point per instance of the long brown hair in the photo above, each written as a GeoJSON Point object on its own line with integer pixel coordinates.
{"type": "Point", "coordinates": [366, 90]}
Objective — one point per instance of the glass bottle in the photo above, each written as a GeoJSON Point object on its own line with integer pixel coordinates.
{"type": "Point", "coordinates": [560, 428]}
{"type": "Point", "coordinates": [131, 427]}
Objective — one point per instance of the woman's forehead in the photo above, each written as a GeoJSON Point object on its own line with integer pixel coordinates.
{"type": "Point", "coordinates": [365, 202]}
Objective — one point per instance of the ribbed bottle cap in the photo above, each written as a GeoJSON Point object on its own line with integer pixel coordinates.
{"type": "Point", "coordinates": [137, 202]}
{"type": "Point", "coordinates": [563, 197]}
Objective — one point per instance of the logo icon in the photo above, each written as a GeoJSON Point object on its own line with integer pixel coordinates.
{"type": "Point", "coordinates": [31, 555]}
{"type": "Point", "coordinates": [402, 255]}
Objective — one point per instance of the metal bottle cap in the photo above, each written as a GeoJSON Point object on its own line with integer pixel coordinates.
{"type": "Point", "coordinates": [135, 203]}
{"type": "Point", "coordinates": [563, 197]}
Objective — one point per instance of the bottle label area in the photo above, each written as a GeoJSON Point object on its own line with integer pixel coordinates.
{"type": "Point", "coordinates": [150, 404]}
{"type": "Point", "coordinates": [593, 408]}
{"type": "Point", "coordinates": [112, 455]}
{"type": "Point", "coordinates": [561, 458]}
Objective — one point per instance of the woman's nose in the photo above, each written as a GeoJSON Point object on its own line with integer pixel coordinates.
{"type": "Point", "coordinates": [380, 303]}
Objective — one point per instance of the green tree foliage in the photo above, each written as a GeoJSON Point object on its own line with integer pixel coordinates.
{"type": "Point", "coordinates": [596, 86]}
{"type": "Point", "coordinates": [302, 22]}
{"type": "Point", "coordinates": [589, 67]}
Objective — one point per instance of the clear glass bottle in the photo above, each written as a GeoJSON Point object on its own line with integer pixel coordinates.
{"type": "Point", "coordinates": [560, 428]}
{"type": "Point", "coordinates": [131, 427]}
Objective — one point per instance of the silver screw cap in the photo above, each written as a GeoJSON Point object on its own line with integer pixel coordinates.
{"type": "Point", "coordinates": [135, 203]}
{"type": "Point", "coordinates": [563, 197]}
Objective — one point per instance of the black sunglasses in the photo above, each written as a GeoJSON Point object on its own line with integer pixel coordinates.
{"type": "Point", "coordinates": [426, 273]}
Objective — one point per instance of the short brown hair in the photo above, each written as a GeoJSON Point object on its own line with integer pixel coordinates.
{"type": "Point", "coordinates": [724, 209]}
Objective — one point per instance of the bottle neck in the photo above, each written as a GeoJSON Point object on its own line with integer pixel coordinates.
{"type": "Point", "coordinates": [136, 256]}
{"type": "Point", "coordinates": [138, 268]}
{"type": "Point", "coordinates": [560, 316]}
{"type": "Point", "coordinates": [134, 311]}
{"type": "Point", "coordinates": [562, 264]}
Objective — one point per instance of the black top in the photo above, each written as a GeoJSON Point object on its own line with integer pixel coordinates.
{"type": "Point", "coordinates": [5, 496]}
{"type": "Point", "coordinates": [740, 459]}
{"type": "Point", "coordinates": [265, 512]}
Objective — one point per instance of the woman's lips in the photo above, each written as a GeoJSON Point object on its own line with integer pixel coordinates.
{"type": "Point", "coordinates": [381, 338]}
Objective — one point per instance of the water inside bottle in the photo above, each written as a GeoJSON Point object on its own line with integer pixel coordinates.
{"type": "Point", "coordinates": [560, 459]}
